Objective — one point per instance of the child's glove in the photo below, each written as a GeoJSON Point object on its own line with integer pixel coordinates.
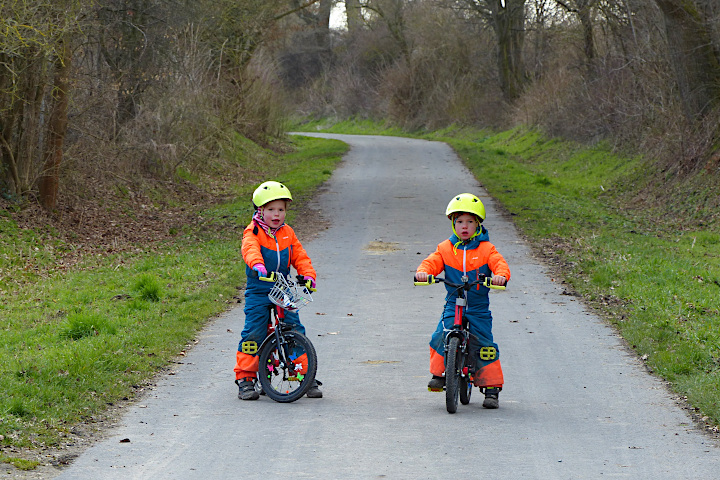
{"type": "Point", "coordinates": [311, 280]}
{"type": "Point", "coordinates": [260, 269]}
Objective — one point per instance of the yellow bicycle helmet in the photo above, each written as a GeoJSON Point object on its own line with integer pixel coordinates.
{"type": "Point", "coordinates": [466, 203]}
{"type": "Point", "coordinates": [269, 191]}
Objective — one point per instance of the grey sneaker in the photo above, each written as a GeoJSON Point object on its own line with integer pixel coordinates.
{"type": "Point", "coordinates": [314, 391]}
{"type": "Point", "coordinates": [491, 397]}
{"type": "Point", "coordinates": [247, 389]}
{"type": "Point", "coordinates": [436, 383]}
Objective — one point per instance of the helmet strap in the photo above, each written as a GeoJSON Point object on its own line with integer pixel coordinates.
{"type": "Point", "coordinates": [478, 230]}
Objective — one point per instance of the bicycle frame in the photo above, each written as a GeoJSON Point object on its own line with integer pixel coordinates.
{"type": "Point", "coordinates": [276, 319]}
{"type": "Point", "coordinates": [460, 328]}
{"type": "Point", "coordinates": [274, 331]}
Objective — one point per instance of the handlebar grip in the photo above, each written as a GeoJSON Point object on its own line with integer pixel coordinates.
{"type": "Point", "coordinates": [430, 281]}
{"type": "Point", "coordinates": [270, 278]}
{"type": "Point", "coordinates": [488, 284]}
{"type": "Point", "coordinates": [305, 283]}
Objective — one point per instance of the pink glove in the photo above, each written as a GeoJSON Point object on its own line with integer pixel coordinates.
{"type": "Point", "coordinates": [260, 269]}
{"type": "Point", "coordinates": [311, 280]}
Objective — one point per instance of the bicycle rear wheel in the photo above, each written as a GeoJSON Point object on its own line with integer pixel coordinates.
{"type": "Point", "coordinates": [453, 364]}
{"type": "Point", "coordinates": [465, 389]}
{"type": "Point", "coordinates": [287, 370]}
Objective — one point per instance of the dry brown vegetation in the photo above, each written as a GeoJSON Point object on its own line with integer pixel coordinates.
{"type": "Point", "coordinates": [593, 71]}
{"type": "Point", "coordinates": [157, 99]}
{"type": "Point", "coordinates": [157, 93]}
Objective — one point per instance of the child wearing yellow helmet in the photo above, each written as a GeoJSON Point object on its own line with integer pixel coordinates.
{"type": "Point", "coordinates": [268, 244]}
{"type": "Point", "coordinates": [468, 252]}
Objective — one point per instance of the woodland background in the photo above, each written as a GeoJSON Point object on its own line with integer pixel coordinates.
{"type": "Point", "coordinates": [111, 99]}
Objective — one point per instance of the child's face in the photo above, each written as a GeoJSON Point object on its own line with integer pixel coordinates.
{"type": "Point", "coordinates": [465, 226]}
{"type": "Point", "coordinates": [274, 213]}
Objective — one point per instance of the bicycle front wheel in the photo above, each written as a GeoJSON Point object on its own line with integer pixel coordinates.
{"type": "Point", "coordinates": [453, 365]}
{"type": "Point", "coordinates": [287, 369]}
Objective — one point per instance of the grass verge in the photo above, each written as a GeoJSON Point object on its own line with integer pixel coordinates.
{"type": "Point", "coordinates": [77, 340]}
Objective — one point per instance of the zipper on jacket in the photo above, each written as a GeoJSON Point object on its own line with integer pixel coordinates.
{"type": "Point", "coordinates": [464, 266]}
{"type": "Point", "coordinates": [277, 250]}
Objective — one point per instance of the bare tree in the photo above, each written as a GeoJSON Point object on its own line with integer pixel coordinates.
{"type": "Point", "coordinates": [695, 62]}
{"type": "Point", "coordinates": [57, 128]}
{"type": "Point", "coordinates": [353, 13]}
{"type": "Point", "coordinates": [507, 19]}
{"type": "Point", "coordinates": [34, 92]}
{"type": "Point", "coordinates": [392, 13]}
{"type": "Point", "coordinates": [584, 11]}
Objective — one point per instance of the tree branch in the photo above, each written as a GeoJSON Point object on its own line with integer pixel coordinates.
{"type": "Point", "coordinates": [295, 10]}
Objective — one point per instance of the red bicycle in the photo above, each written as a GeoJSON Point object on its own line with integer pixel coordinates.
{"type": "Point", "coordinates": [459, 366]}
{"type": "Point", "coordinates": [287, 361]}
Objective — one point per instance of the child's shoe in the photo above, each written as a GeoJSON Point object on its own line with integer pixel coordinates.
{"type": "Point", "coordinates": [491, 397]}
{"type": "Point", "coordinates": [247, 389]}
{"type": "Point", "coordinates": [436, 383]}
{"type": "Point", "coordinates": [314, 391]}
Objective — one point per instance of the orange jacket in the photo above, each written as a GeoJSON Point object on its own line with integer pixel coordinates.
{"type": "Point", "coordinates": [276, 253]}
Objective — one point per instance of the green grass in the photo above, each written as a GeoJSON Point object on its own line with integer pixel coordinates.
{"type": "Point", "coordinates": [19, 463]}
{"type": "Point", "coordinates": [652, 270]}
{"type": "Point", "coordinates": [77, 340]}
{"type": "Point", "coordinates": [354, 126]}
{"type": "Point", "coordinates": [654, 275]}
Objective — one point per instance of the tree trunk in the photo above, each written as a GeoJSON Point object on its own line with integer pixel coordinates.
{"type": "Point", "coordinates": [694, 61]}
{"type": "Point", "coordinates": [354, 15]}
{"type": "Point", "coordinates": [323, 25]}
{"type": "Point", "coordinates": [585, 15]}
{"type": "Point", "coordinates": [49, 180]}
{"type": "Point", "coordinates": [509, 26]}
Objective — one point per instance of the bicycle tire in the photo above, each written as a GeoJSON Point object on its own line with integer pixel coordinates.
{"type": "Point", "coordinates": [452, 374]}
{"type": "Point", "coordinates": [465, 389]}
{"type": "Point", "coordinates": [279, 380]}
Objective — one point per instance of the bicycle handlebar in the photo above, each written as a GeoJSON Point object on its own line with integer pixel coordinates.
{"type": "Point", "coordinates": [485, 282]}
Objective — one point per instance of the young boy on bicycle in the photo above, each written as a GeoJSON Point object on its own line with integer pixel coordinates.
{"type": "Point", "coordinates": [268, 245]}
{"type": "Point", "coordinates": [468, 252]}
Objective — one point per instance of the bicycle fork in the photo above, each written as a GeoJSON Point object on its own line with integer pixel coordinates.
{"type": "Point", "coordinates": [459, 327]}
{"type": "Point", "coordinates": [292, 366]}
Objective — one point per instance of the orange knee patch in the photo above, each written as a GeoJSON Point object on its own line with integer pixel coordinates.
{"type": "Point", "coordinates": [437, 363]}
{"type": "Point", "coordinates": [489, 375]}
{"type": "Point", "coordinates": [245, 365]}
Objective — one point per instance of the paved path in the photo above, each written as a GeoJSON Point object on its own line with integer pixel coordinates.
{"type": "Point", "coordinates": [576, 404]}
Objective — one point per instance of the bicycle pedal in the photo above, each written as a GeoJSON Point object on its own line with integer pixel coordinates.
{"type": "Point", "coordinates": [436, 389]}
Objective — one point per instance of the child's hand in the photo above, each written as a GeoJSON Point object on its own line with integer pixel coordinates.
{"type": "Point", "coordinates": [421, 276]}
{"type": "Point", "coordinates": [260, 269]}
{"type": "Point", "coordinates": [499, 280]}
